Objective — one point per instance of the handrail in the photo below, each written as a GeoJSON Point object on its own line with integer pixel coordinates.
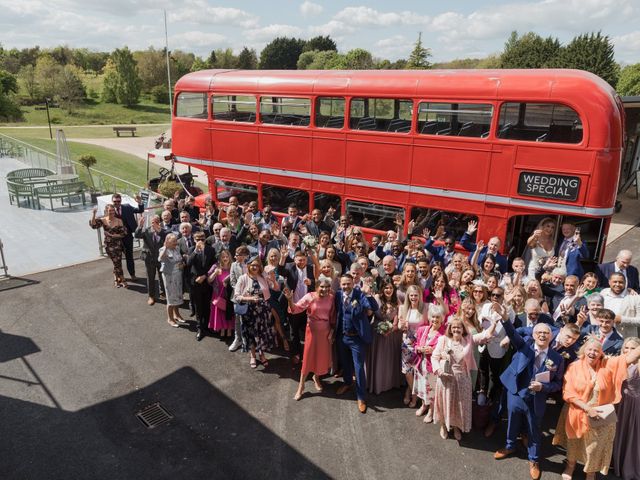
{"type": "Point", "coordinates": [4, 263]}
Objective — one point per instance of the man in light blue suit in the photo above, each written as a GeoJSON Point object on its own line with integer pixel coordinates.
{"type": "Point", "coordinates": [353, 335]}
{"type": "Point", "coordinates": [526, 394]}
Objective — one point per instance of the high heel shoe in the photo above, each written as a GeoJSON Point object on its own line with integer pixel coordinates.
{"type": "Point", "coordinates": [429, 417]}
{"type": "Point", "coordinates": [444, 433]}
{"type": "Point", "coordinates": [568, 471]}
{"type": "Point", "coordinates": [457, 434]}
{"type": "Point", "coordinates": [318, 383]}
{"type": "Point", "coordinates": [298, 396]}
{"type": "Point", "coordinates": [414, 401]}
{"type": "Point", "coordinates": [253, 363]}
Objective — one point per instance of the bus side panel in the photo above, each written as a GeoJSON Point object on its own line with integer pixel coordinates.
{"type": "Point", "coordinates": [328, 154]}
{"type": "Point", "coordinates": [442, 165]}
{"type": "Point", "coordinates": [190, 138]}
{"type": "Point", "coordinates": [604, 182]}
{"type": "Point", "coordinates": [234, 143]}
{"type": "Point", "coordinates": [499, 181]}
{"type": "Point", "coordinates": [379, 159]}
{"type": "Point", "coordinates": [286, 149]}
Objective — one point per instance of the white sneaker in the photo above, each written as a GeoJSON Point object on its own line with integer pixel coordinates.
{"type": "Point", "coordinates": [237, 343]}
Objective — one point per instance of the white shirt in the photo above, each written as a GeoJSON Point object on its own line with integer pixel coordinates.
{"type": "Point", "coordinates": [301, 288]}
{"type": "Point", "coordinates": [628, 307]}
{"type": "Point", "coordinates": [486, 315]}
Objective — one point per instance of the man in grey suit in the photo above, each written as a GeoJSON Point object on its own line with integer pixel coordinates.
{"type": "Point", "coordinates": [152, 239]}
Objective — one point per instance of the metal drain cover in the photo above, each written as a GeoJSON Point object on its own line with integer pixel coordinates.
{"type": "Point", "coordinates": [153, 415]}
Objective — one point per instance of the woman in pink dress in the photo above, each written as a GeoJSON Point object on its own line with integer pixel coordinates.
{"type": "Point", "coordinates": [452, 361]}
{"type": "Point", "coordinates": [321, 320]}
{"type": "Point", "coordinates": [220, 319]}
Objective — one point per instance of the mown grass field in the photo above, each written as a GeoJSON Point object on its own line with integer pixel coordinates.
{"type": "Point", "coordinates": [87, 131]}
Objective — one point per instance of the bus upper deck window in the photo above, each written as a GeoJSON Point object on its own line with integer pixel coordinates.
{"type": "Point", "coordinates": [191, 105]}
{"type": "Point", "coordinates": [455, 119]}
{"type": "Point", "coordinates": [285, 111]}
{"type": "Point", "coordinates": [234, 108]}
{"type": "Point", "coordinates": [381, 114]}
{"type": "Point", "coordinates": [539, 122]}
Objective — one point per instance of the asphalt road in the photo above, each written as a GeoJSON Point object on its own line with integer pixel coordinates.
{"type": "Point", "coordinates": [79, 358]}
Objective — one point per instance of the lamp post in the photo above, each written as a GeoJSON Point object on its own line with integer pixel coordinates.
{"type": "Point", "coordinates": [46, 102]}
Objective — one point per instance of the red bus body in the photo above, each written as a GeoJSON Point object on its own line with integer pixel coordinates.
{"type": "Point", "coordinates": [477, 176]}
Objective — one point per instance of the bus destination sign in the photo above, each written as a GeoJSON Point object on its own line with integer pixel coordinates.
{"type": "Point", "coordinates": [546, 185]}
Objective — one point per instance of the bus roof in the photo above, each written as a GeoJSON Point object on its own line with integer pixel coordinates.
{"type": "Point", "coordinates": [541, 84]}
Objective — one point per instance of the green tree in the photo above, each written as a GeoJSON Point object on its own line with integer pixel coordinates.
{"type": "Point", "coordinates": [128, 81]}
{"type": "Point", "coordinates": [629, 82]}
{"type": "Point", "coordinates": [419, 58]}
{"type": "Point", "coordinates": [212, 60]}
{"type": "Point", "coordinates": [47, 72]}
{"type": "Point", "coordinates": [70, 89]}
{"type": "Point", "coordinates": [247, 59]}
{"type": "Point", "coordinates": [592, 52]}
{"type": "Point", "coordinates": [320, 43]}
{"type": "Point", "coordinates": [358, 59]}
{"type": "Point", "coordinates": [529, 51]}
{"type": "Point", "coordinates": [9, 110]}
{"type": "Point", "coordinates": [110, 83]}
{"type": "Point", "coordinates": [225, 59]}
{"type": "Point", "coordinates": [152, 68]}
{"type": "Point", "coordinates": [281, 53]}
{"type": "Point", "coordinates": [27, 77]}
{"type": "Point", "coordinates": [199, 64]}
{"type": "Point", "coordinates": [324, 60]}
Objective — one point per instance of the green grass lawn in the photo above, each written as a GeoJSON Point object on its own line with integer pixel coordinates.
{"type": "Point", "coordinates": [97, 113]}
{"type": "Point", "coordinates": [119, 164]}
{"type": "Point", "coordinates": [82, 132]}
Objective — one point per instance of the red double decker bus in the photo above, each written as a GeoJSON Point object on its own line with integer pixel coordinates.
{"type": "Point", "coordinates": [502, 147]}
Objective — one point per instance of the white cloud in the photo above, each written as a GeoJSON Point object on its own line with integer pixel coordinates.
{"type": "Point", "coordinates": [189, 41]}
{"type": "Point", "coordinates": [199, 12]}
{"type": "Point", "coordinates": [366, 17]}
{"type": "Point", "coordinates": [270, 32]}
{"type": "Point", "coordinates": [308, 8]}
{"type": "Point", "coordinates": [627, 47]}
{"type": "Point", "coordinates": [395, 46]}
{"type": "Point", "coordinates": [335, 28]}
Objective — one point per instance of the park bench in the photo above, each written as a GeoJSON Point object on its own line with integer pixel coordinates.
{"type": "Point", "coordinates": [29, 175]}
{"type": "Point", "coordinates": [120, 130]}
{"type": "Point", "coordinates": [18, 189]}
{"type": "Point", "coordinates": [61, 191]}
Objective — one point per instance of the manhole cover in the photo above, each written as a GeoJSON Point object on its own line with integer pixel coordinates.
{"type": "Point", "coordinates": [153, 415]}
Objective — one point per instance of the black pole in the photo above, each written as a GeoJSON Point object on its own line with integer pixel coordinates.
{"type": "Point", "coordinates": [46, 102]}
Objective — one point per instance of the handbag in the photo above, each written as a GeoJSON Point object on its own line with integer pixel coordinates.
{"type": "Point", "coordinates": [220, 303]}
{"type": "Point", "coordinates": [240, 308]}
{"type": "Point", "coordinates": [606, 416]}
{"type": "Point", "coordinates": [446, 366]}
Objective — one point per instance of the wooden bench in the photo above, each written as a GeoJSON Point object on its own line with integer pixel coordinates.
{"type": "Point", "coordinates": [120, 130]}
{"type": "Point", "coordinates": [18, 189]}
{"type": "Point", "coordinates": [61, 191]}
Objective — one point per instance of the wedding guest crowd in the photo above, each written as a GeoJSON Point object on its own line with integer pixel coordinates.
{"type": "Point", "coordinates": [443, 318]}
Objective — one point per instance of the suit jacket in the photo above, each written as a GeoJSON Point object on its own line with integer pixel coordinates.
{"type": "Point", "coordinates": [521, 320]}
{"type": "Point", "coordinates": [606, 269]}
{"type": "Point", "coordinates": [555, 294]}
{"type": "Point", "coordinates": [128, 216]}
{"type": "Point", "coordinates": [254, 249]}
{"type": "Point", "coordinates": [218, 246]}
{"type": "Point", "coordinates": [612, 345]}
{"type": "Point", "coordinates": [316, 228]}
{"type": "Point", "coordinates": [573, 256]}
{"type": "Point", "coordinates": [470, 246]}
{"type": "Point", "coordinates": [290, 274]}
{"type": "Point", "coordinates": [200, 264]}
{"type": "Point", "coordinates": [520, 372]}
{"type": "Point", "coordinates": [184, 246]}
{"type": "Point", "coordinates": [150, 248]}
{"type": "Point", "coordinates": [438, 254]}
{"type": "Point", "coordinates": [356, 311]}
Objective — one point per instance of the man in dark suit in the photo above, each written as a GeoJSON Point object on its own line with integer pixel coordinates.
{"type": "Point", "coordinates": [532, 315]}
{"type": "Point", "coordinates": [607, 334]}
{"type": "Point", "coordinates": [299, 278]}
{"type": "Point", "coordinates": [317, 225]}
{"type": "Point", "coordinates": [262, 246]}
{"type": "Point", "coordinates": [535, 371]}
{"type": "Point", "coordinates": [353, 335]}
{"type": "Point", "coordinates": [571, 249]}
{"type": "Point", "coordinates": [152, 240]}
{"type": "Point", "coordinates": [563, 340]}
{"type": "Point", "coordinates": [226, 242]}
{"type": "Point", "coordinates": [186, 242]}
{"type": "Point", "coordinates": [622, 264]}
{"type": "Point", "coordinates": [200, 259]}
{"type": "Point", "coordinates": [167, 222]}
{"type": "Point", "coordinates": [563, 303]}
{"type": "Point", "coordinates": [127, 214]}
{"type": "Point", "coordinates": [492, 247]}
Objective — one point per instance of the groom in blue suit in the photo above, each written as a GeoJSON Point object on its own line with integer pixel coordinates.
{"type": "Point", "coordinates": [353, 335]}
{"type": "Point", "coordinates": [526, 397]}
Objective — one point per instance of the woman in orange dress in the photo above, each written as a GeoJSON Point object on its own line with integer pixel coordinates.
{"type": "Point", "coordinates": [590, 382]}
{"type": "Point", "coordinates": [318, 337]}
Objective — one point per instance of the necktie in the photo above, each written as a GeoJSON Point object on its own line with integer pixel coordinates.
{"type": "Point", "coordinates": [539, 358]}
{"type": "Point", "coordinates": [118, 213]}
{"type": "Point", "coordinates": [156, 237]}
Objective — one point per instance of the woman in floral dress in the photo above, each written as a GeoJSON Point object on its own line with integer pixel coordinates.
{"type": "Point", "coordinates": [114, 232]}
{"type": "Point", "coordinates": [252, 290]}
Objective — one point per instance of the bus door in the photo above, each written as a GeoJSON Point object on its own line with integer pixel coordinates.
{"type": "Point", "coordinates": [592, 232]}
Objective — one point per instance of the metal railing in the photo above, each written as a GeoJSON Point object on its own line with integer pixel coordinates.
{"type": "Point", "coordinates": [4, 263]}
{"type": "Point", "coordinates": [38, 157]}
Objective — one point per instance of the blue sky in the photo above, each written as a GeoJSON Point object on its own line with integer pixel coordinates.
{"type": "Point", "coordinates": [454, 29]}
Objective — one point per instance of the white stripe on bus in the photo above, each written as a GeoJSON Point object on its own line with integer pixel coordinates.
{"type": "Point", "coordinates": [478, 197]}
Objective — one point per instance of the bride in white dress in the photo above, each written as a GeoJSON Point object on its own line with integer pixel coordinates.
{"type": "Point", "coordinates": [541, 244]}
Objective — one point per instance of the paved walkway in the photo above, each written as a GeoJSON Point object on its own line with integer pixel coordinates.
{"type": "Point", "coordinates": [38, 240]}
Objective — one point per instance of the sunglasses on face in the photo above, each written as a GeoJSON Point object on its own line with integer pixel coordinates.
{"type": "Point", "coordinates": [496, 294]}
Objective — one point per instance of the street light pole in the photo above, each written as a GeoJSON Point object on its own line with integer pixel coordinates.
{"type": "Point", "coordinates": [46, 102]}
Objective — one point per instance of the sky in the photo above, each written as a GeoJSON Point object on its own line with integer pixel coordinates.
{"type": "Point", "coordinates": [454, 29]}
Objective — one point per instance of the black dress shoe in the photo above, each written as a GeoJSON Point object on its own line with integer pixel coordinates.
{"type": "Point", "coordinates": [200, 335]}
{"type": "Point", "coordinates": [192, 314]}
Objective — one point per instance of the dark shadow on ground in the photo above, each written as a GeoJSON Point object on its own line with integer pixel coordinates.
{"type": "Point", "coordinates": [210, 437]}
